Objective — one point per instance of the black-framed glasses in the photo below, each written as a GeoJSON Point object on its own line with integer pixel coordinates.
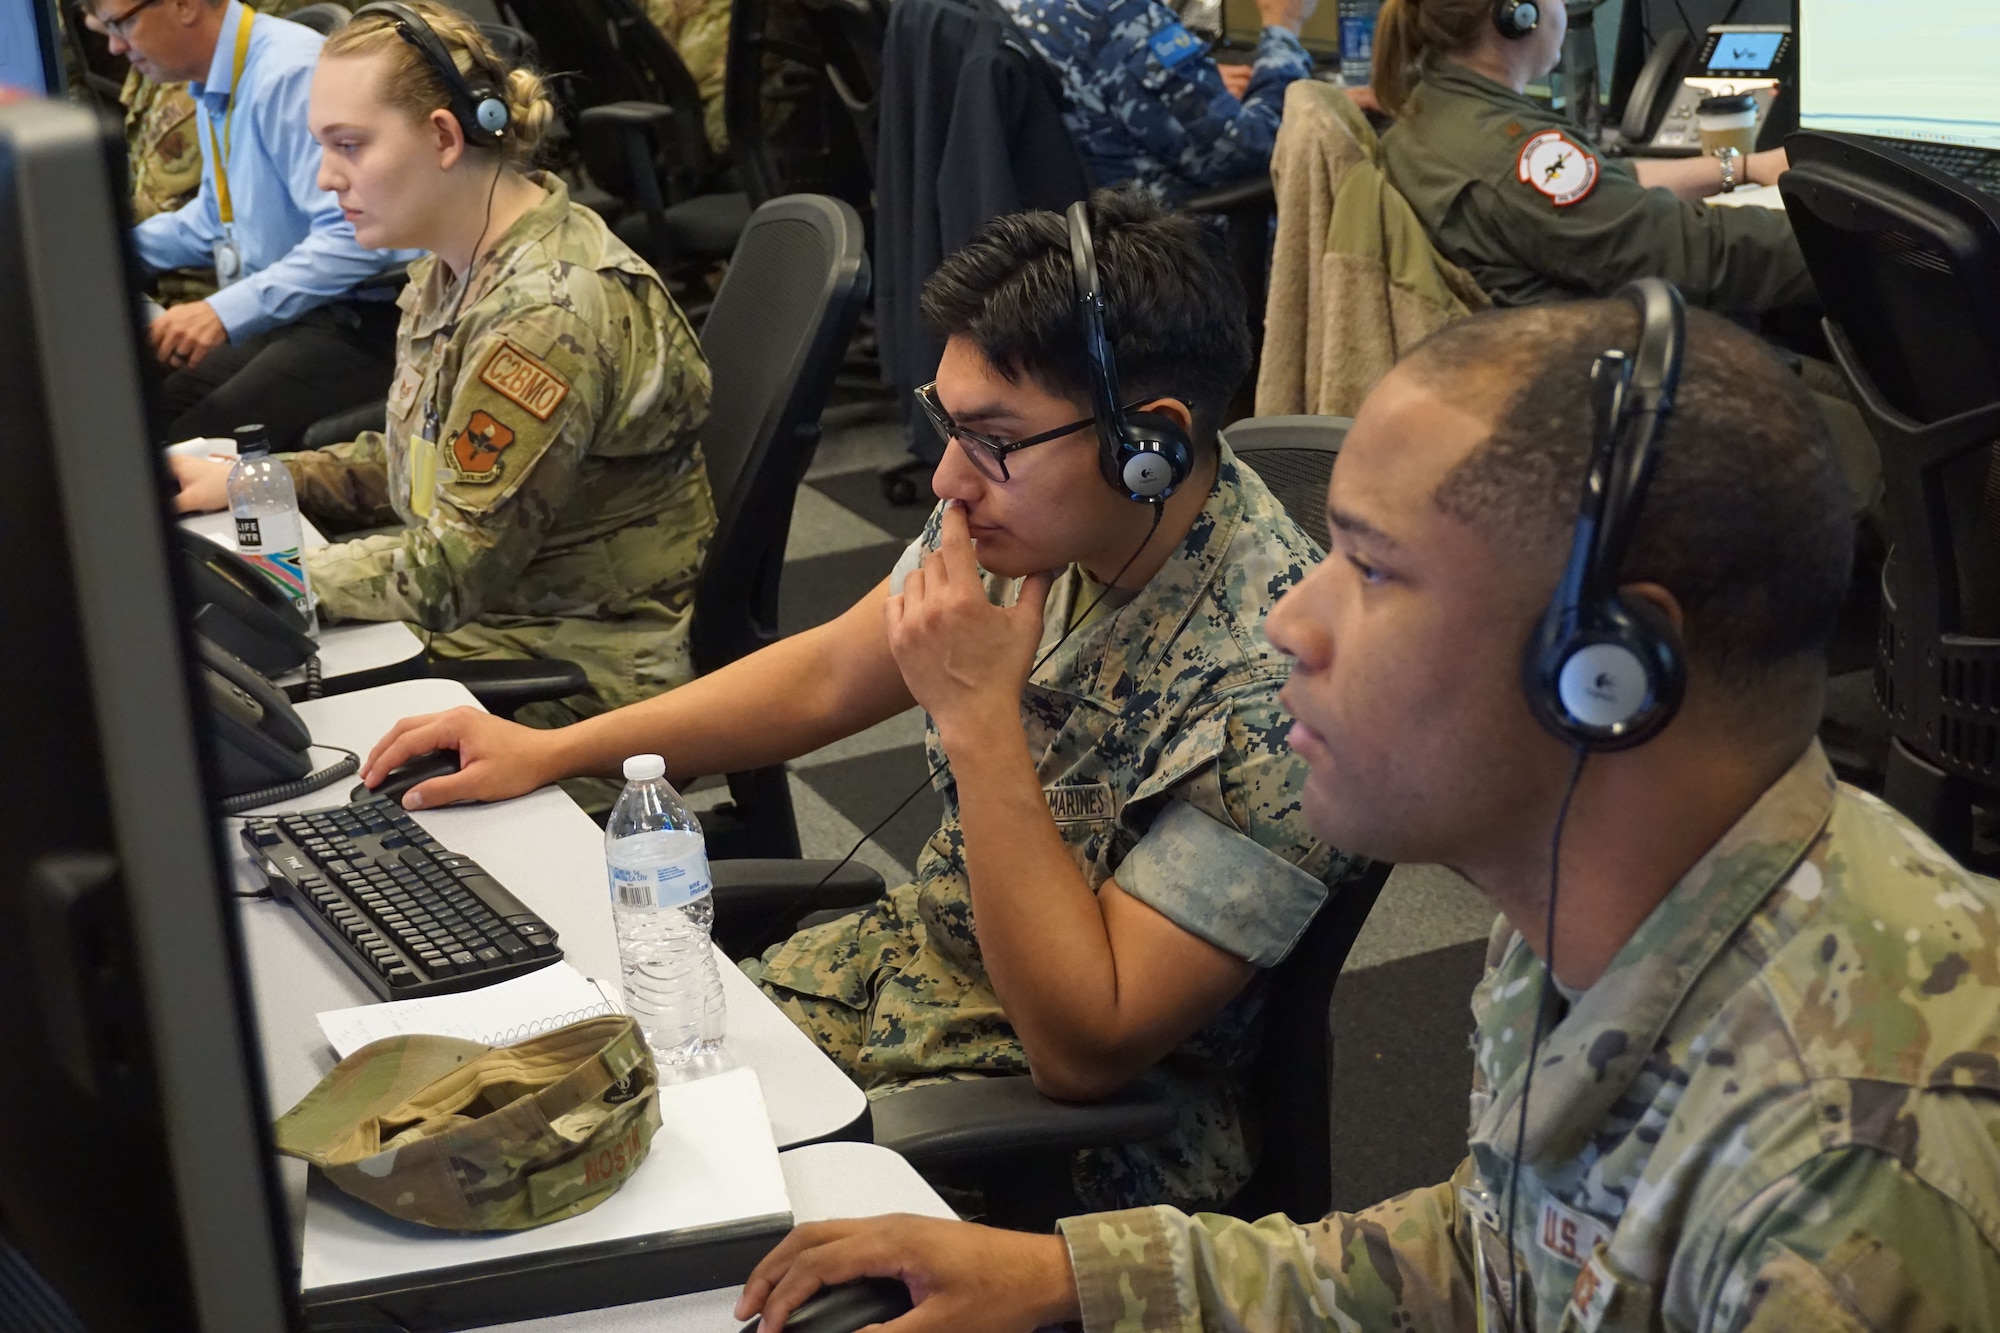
{"type": "Point", "coordinates": [987, 454]}
{"type": "Point", "coordinates": [113, 26]}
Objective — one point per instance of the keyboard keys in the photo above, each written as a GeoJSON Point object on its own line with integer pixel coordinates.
{"type": "Point", "coordinates": [408, 914]}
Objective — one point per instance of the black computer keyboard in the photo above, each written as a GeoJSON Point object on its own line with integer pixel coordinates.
{"type": "Point", "coordinates": [410, 916]}
{"type": "Point", "coordinates": [1977, 167]}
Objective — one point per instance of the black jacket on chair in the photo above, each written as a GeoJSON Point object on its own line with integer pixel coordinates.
{"type": "Point", "coordinates": [971, 128]}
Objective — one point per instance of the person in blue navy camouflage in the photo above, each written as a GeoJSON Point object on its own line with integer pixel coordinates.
{"type": "Point", "coordinates": [1147, 103]}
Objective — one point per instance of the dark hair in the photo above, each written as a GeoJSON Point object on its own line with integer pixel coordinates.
{"type": "Point", "coordinates": [1746, 520]}
{"type": "Point", "coordinates": [1173, 307]}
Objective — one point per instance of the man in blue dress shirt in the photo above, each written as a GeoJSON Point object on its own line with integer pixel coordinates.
{"type": "Point", "coordinates": [297, 329]}
{"type": "Point", "coordinates": [1147, 103]}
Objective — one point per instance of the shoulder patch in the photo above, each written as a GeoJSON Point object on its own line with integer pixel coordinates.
{"type": "Point", "coordinates": [525, 379]}
{"type": "Point", "coordinates": [476, 450]}
{"type": "Point", "coordinates": [1173, 46]}
{"type": "Point", "coordinates": [1558, 167]}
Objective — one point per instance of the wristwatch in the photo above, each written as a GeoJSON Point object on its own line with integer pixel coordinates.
{"type": "Point", "coordinates": [1728, 159]}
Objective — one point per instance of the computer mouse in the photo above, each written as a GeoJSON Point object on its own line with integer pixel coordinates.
{"type": "Point", "coordinates": [843, 1309]}
{"type": "Point", "coordinates": [435, 764]}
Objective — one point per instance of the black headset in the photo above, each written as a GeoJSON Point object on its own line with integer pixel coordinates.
{"type": "Point", "coordinates": [479, 107]}
{"type": "Point", "coordinates": [1516, 18]}
{"type": "Point", "coordinates": [1602, 672]}
{"type": "Point", "coordinates": [1144, 456]}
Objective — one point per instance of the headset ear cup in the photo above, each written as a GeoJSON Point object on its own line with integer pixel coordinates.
{"type": "Point", "coordinates": [491, 113]}
{"type": "Point", "coordinates": [1153, 456]}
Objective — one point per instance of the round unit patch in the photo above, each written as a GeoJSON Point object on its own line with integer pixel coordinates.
{"type": "Point", "coordinates": [1559, 167]}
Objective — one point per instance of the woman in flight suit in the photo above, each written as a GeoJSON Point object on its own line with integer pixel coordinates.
{"type": "Point", "coordinates": [1511, 192]}
{"type": "Point", "coordinates": [540, 463]}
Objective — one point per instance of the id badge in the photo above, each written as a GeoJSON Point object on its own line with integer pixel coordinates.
{"type": "Point", "coordinates": [1490, 1273]}
{"type": "Point", "coordinates": [228, 261]}
{"type": "Point", "coordinates": [424, 465]}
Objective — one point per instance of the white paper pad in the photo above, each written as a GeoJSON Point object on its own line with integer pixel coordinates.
{"type": "Point", "coordinates": [498, 1015]}
{"type": "Point", "coordinates": [712, 1164]}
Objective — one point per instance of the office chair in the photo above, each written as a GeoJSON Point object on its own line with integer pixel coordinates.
{"type": "Point", "coordinates": [1294, 457]}
{"type": "Point", "coordinates": [801, 97]}
{"type": "Point", "coordinates": [1907, 263]}
{"type": "Point", "coordinates": [635, 116]}
{"type": "Point", "coordinates": [774, 340]}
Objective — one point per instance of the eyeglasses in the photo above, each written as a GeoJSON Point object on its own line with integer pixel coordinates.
{"type": "Point", "coordinates": [115, 27]}
{"type": "Point", "coordinates": [987, 454]}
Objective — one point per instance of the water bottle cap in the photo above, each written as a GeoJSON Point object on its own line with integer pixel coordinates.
{"type": "Point", "coordinates": [644, 768]}
{"type": "Point", "coordinates": [252, 441]}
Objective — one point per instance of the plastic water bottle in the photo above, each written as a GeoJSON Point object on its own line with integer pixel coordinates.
{"type": "Point", "coordinates": [662, 903]}
{"type": "Point", "coordinates": [266, 506]}
{"type": "Point", "coordinates": [1357, 40]}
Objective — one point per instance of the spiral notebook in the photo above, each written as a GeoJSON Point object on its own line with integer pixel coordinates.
{"type": "Point", "coordinates": [498, 1015]}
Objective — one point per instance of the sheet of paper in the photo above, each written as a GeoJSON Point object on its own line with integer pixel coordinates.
{"type": "Point", "coordinates": [499, 1015]}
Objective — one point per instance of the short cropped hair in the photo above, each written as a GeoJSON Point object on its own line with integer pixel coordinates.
{"type": "Point", "coordinates": [1746, 520]}
{"type": "Point", "coordinates": [1174, 308]}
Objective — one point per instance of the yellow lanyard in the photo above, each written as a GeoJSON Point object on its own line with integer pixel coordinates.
{"type": "Point", "coordinates": [220, 155]}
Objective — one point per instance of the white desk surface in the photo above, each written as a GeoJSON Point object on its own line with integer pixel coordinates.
{"type": "Point", "coordinates": [345, 649]}
{"type": "Point", "coordinates": [550, 855]}
{"type": "Point", "coordinates": [825, 1181]}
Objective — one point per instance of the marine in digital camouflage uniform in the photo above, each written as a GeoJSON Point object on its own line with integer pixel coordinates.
{"type": "Point", "coordinates": [1779, 1109]}
{"type": "Point", "coordinates": [699, 31]}
{"type": "Point", "coordinates": [1576, 223]}
{"type": "Point", "coordinates": [1144, 100]}
{"type": "Point", "coordinates": [542, 463]}
{"type": "Point", "coordinates": [1161, 751]}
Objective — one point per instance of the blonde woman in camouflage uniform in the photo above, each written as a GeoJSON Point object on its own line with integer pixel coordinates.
{"type": "Point", "coordinates": [540, 465]}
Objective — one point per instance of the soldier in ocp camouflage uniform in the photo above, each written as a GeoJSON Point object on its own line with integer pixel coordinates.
{"type": "Point", "coordinates": [1769, 1097]}
{"type": "Point", "coordinates": [900, 994]}
{"type": "Point", "coordinates": [1146, 102]}
{"type": "Point", "coordinates": [699, 31]}
{"type": "Point", "coordinates": [541, 456]}
{"type": "Point", "coordinates": [1779, 1109]}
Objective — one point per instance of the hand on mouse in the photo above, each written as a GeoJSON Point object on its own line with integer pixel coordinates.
{"type": "Point", "coordinates": [497, 758]}
{"type": "Point", "coordinates": [963, 1278]}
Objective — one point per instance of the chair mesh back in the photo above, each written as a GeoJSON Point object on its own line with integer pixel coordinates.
{"type": "Point", "coordinates": [766, 314]}
{"type": "Point", "coordinates": [774, 339]}
{"type": "Point", "coordinates": [1294, 457]}
{"type": "Point", "coordinates": [1298, 478]}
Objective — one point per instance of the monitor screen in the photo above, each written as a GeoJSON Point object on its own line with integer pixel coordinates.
{"type": "Point", "coordinates": [1746, 52]}
{"type": "Point", "coordinates": [137, 1179]}
{"type": "Point", "coordinates": [28, 57]}
{"type": "Point", "coordinates": [1242, 25]}
{"type": "Point", "coordinates": [1898, 70]}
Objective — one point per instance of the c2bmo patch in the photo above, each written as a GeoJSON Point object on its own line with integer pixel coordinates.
{"type": "Point", "coordinates": [517, 375]}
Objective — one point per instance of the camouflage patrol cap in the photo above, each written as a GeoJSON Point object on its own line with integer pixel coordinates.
{"type": "Point", "coordinates": [454, 1134]}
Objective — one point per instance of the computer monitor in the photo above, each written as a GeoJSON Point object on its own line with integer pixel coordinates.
{"type": "Point", "coordinates": [1921, 73]}
{"type": "Point", "coordinates": [1242, 25]}
{"type": "Point", "coordinates": [138, 1185]}
{"type": "Point", "coordinates": [28, 56]}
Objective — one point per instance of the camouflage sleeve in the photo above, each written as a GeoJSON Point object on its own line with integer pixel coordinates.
{"type": "Point", "coordinates": [521, 415]}
{"type": "Point", "coordinates": [343, 485]}
{"type": "Point", "coordinates": [1162, 85]}
{"type": "Point", "coordinates": [1728, 259]}
{"type": "Point", "coordinates": [1229, 857]}
{"type": "Point", "coordinates": [1856, 1241]}
{"type": "Point", "coordinates": [1404, 1265]}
